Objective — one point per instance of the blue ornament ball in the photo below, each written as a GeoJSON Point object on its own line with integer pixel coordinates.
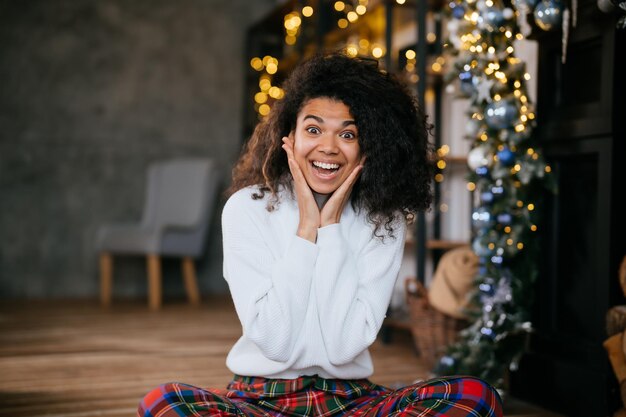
{"type": "Point", "coordinates": [493, 19]}
{"type": "Point", "coordinates": [500, 114]}
{"type": "Point", "coordinates": [458, 12]}
{"type": "Point", "coordinates": [481, 218]}
{"type": "Point", "coordinates": [482, 171]}
{"type": "Point", "coordinates": [497, 191]}
{"type": "Point", "coordinates": [445, 365]}
{"type": "Point", "coordinates": [488, 332]}
{"type": "Point", "coordinates": [506, 156]}
{"type": "Point", "coordinates": [504, 218]}
{"type": "Point", "coordinates": [447, 360]}
{"type": "Point", "coordinates": [497, 260]}
{"type": "Point", "coordinates": [486, 197]}
{"type": "Point", "coordinates": [487, 289]}
{"type": "Point", "coordinates": [466, 84]}
{"type": "Point", "coordinates": [548, 14]}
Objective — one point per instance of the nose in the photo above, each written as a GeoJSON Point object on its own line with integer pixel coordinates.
{"type": "Point", "coordinates": [328, 144]}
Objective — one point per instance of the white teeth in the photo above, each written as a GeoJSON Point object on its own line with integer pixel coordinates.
{"type": "Point", "coordinates": [325, 165]}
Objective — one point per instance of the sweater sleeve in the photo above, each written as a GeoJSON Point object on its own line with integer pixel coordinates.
{"type": "Point", "coordinates": [270, 291]}
{"type": "Point", "coordinates": [353, 290]}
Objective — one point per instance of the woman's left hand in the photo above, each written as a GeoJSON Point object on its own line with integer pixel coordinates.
{"type": "Point", "coordinates": [331, 212]}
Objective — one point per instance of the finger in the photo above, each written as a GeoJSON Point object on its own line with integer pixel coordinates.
{"type": "Point", "coordinates": [301, 186]}
{"type": "Point", "coordinates": [288, 147]}
{"type": "Point", "coordinates": [296, 172]}
{"type": "Point", "coordinates": [351, 180]}
{"type": "Point", "coordinates": [340, 196]}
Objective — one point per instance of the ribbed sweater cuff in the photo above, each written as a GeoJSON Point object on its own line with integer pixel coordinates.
{"type": "Point", "coordinates": [329, 235]}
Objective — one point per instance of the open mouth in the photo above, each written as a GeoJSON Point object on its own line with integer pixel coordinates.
{"type": "Point", "coordinates": [325, 168]}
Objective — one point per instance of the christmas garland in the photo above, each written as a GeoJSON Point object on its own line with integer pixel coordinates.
{"type": "Point", "coordinates": [508, 172]}
{"type": "Point", "coordinates": [508, 175]}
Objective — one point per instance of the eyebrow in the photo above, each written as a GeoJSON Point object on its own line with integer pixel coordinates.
{"type": "Point", "coordinates": [320, 120]}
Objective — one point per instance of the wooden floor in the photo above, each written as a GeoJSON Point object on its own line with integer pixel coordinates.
{"type": "Point", "coordinates": [75, 359]}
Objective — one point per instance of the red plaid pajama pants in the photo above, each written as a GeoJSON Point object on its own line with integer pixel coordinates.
{"type": "Point", "coordinates": [314, 396]}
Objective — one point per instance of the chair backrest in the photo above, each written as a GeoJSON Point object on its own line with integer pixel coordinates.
{"type": "Point", "coordinates": [180, 201]}
{"type": "Point", "coordinates": [177, 194]}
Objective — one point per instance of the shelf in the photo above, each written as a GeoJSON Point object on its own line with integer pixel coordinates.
{"type": "Point", "coordinates": [445, 244]}
{"type": "Point", "coordinates": [456, 160]}
{"type": "Point", "coordinates": [439, 244]}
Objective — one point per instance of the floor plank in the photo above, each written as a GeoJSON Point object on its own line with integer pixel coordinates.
{"type": "Point", "coordinates": [76, 359]}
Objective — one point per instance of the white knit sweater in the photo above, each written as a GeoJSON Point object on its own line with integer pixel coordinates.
{"type": "Point", "coordinates": [305, 308]}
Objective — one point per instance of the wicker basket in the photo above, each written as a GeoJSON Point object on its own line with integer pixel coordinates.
{"type": "Point", "coordinates": [432, 330]}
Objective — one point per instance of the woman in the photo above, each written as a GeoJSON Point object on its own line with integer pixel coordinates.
{"type": "Point", "coordinates": [314, 232]}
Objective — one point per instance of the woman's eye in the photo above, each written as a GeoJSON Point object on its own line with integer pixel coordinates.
{"type": "Point", "coordinates": [313, 130]}
{"type": "Point", "coordinates": [348, 135]}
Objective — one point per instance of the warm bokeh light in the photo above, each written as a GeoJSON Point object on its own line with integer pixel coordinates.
{"type": "Point", "coordinates": [265, 83]}
{"type": "Point", "coordinates": [352, 50]}
{"type": "Point", "coordinates": [307, 11]}
{"type": "Point", "coordinates": [257, 63]}
{"type": "Point", "coordinates": [377, 52]}
{"type": "Point", "coordinates": [271, 68]}
{"type": "Point", "coordinates": [274, 92]}
{"type": "Point", "coordinates": [264, 109]}
{"type": "Point", "coordinates": [260, 97]}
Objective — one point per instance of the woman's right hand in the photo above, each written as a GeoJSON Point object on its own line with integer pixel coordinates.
{"type": "Point", "coordinates": [309, 211]}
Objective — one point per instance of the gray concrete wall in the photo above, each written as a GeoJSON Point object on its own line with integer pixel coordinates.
{"type": "Point", "coordinates": [91, 91]}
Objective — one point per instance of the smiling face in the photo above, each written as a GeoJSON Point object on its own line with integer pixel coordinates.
{"type": "Point", "coordinates": [326, 144]}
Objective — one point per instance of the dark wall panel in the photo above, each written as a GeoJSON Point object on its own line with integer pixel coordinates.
{"type": "Point", "coordinates": [91, 92]}
{"type": "Point", "coordinates": [580, 113]}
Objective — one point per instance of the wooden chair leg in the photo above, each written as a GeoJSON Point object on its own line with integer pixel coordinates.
{"type": "Point", "coordinates": [191, 283]}
{"type": "Point", "coordinates": [106, 278]}
{"type": "Point", "coordinates": [154, 281]}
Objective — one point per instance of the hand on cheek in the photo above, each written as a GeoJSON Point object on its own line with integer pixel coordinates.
{"type": "Point", "coordinates": [331, 212]}
{"type": "Point", "coordinates": [309, 212]}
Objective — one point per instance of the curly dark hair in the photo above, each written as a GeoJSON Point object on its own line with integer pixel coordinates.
{"type": "Point", "coordinates": [393, 135]}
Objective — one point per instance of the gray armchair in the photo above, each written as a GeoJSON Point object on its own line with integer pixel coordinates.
{"type": "Point", "coordinates": [180, 199]}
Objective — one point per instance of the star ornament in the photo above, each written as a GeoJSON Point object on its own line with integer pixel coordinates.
{"type": "Point", "coordinates": [484, 90]}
